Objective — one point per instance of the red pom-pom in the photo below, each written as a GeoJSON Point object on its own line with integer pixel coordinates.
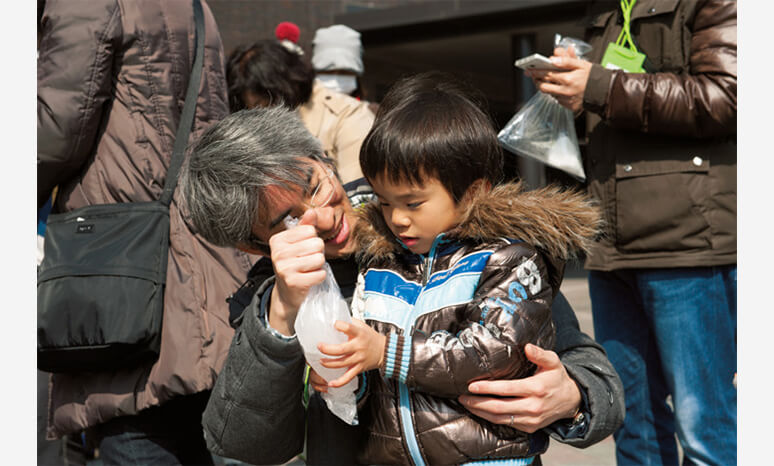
{"type": "Point", "coordinates": [287, 30]}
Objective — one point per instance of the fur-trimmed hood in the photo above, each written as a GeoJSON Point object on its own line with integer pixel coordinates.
{"type": "Point", "coordinates": [560, 222]}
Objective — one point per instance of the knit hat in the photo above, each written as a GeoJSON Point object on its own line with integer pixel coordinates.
{"type": "Point", "coordinates": [287, 34]}
{"type": "Point", "coordinates": [337, 47]}
{"type": "Point", "coordinates": [287, 31]}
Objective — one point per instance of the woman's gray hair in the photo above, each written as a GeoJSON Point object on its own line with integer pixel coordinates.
{"type": "Point", "coordinates": [234, 161]}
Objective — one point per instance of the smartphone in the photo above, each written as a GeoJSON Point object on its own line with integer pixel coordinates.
{"type": "Point", "coordinates": [536, 62]}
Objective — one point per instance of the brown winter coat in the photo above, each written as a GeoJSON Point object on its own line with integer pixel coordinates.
{"type": "Point", "coordinates": [112, 77]}
{"type": "Point", "coordinates": [462, 313]}
{"type": "Point", "coordinates": [662, 160]}
{"type": "Point", "coordinates": [341, 123]}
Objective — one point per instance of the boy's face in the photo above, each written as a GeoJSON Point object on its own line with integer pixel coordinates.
{"type": "Point", "coordinates": [416, 214]}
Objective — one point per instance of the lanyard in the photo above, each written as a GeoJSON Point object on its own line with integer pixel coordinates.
{"type": "Point", "coordinates": [625, 36]}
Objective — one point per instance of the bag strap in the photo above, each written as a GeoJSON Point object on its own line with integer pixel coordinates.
{"type": "Point", "coordinates": [189, 108]}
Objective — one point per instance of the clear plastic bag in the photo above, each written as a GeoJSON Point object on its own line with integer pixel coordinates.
{"type": "Point", "coordinates": [323, 306]}
{"type": "Point", "coordinates": [544, 130]}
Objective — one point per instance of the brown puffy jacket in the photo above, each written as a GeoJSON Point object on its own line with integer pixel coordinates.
{"type": "Point", "coordinates": [462, 313]}
{"type": "Point", "coordinates": [112, 77]}
{"type": "Point", "coordinates": [661, 155]}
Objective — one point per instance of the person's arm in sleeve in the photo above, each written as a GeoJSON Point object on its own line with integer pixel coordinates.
{"type": "Point", "coordinates": [579, 380]}
{"type": "Point", "coordinates": [255, 413]}
{"type": "Point", "coordinates": [700, 102]}
{"type": "Point", "coordinates": [586, 362]}
{"type": "Point", "coordinates": [510, 308]}
{"type": "Point", "coordinates": [75, 65]}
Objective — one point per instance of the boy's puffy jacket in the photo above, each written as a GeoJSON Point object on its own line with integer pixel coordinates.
{"type": "Point", "coordinates": [462, 313]}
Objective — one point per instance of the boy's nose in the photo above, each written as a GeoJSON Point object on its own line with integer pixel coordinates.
{"type": "Point", "coordinates": [399, 218]}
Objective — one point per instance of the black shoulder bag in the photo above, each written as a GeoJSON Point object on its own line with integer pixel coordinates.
{"type": "Point", "coordinates": [101, 282]}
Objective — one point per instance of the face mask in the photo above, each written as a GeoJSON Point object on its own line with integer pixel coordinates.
{"type": "Point", "coordinates": [344, 83]}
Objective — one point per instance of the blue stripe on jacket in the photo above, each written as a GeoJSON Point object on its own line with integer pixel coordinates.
{"type": "Point", "coordinates": [389, 296]}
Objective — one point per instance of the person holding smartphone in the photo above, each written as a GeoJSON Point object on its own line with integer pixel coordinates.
{"type": "Point", "coordinates": [659, 93]}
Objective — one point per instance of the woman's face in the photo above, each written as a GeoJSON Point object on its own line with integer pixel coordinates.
{"type": "Point", "coordinates": [325, 194]}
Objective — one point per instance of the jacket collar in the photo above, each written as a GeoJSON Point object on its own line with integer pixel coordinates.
{"type": "Point", "coordinates": [558, 221]}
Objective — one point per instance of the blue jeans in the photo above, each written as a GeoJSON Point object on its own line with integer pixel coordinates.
{"type": "Point", "coordinates": [170, 434]}
{"type": "Point", "coordinates": [671, 332]}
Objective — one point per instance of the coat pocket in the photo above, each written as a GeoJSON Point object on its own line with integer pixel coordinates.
{"type": "Point", "coordinates": [660, 35]}
{"type": "Point", "coordinates": [662, 205]}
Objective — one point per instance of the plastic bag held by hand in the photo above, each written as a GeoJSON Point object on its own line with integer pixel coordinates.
{"type": "Point", "coordinates": [545, 130]}
{"type": "Point", "coordinates": [323, 306]}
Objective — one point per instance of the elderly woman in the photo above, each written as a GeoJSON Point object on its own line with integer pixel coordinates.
{"type": "Point", "coordinates": [245, 175]}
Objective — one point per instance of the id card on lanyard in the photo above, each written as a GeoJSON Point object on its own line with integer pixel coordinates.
{"type": "Point", "coordinates": [623, 54]}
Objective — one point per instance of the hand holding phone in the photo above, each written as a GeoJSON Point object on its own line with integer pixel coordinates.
{"type": "Point", "coordinates": [536, 61]}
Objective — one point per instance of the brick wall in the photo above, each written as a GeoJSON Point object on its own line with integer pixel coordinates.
{"type": "Point", "coordinates": [245, 21]}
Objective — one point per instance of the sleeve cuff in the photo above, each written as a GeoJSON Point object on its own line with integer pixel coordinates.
{"type": "Point", "coordinates": [597, 89]}
{"type": "Point", "coordinates": [578, 426]}
{"type": "Point", "coordinates": [264, 314]}
{"type": "Point", "coordinates": [397, 357]}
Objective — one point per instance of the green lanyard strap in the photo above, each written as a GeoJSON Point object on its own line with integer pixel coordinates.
{"type": "Point", "coordinates": [625, 37]}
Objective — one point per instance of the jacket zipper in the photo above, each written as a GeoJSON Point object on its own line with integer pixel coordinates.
{"type": "Point", "coordinates": [408, 426]}
{"type": "Point", "coordinates": [405, 411]}
{"type": "Point", "coordinates": [430, 259]}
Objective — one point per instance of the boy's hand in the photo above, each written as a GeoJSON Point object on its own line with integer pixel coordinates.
{"type": "Point", "coordinates": [364, 351]}
{"type": "Point", "coordinates": [317, 382]}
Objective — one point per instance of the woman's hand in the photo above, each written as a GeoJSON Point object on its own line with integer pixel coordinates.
{"type": "Point", "coordinates": [531, 403]}
{"type": "Point", "coordinates": [567, 87]}
{"type": "Point", "coordinates": [297, 255]}
{"type": "Point", "coordinates": [364, 351]}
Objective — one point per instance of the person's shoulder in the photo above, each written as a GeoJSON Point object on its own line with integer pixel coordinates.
{"type": "Point", "coordinates": [359, 192]}
{"type": "Point", "coordinates": [338, 103]}
{"type": "Point", "coordinates": [509, 251]}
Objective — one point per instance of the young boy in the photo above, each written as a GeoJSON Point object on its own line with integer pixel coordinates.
{"type": "Point", "coordinates": [459, 273]}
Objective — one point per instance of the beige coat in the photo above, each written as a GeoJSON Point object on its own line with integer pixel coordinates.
{"type": "Point", "coordinates": [112, 77]}
{"type": "Point", "coordinates": [341, 123]}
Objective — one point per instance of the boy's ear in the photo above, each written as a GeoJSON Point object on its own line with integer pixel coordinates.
{"type": "Point", "coordinates": [480, 185]}
{"type": "Point", "coordinates": [483, 184]}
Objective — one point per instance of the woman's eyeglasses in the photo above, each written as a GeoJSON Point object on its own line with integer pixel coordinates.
{"type": "Point", "coordinates": [318, 198]}
{"type": "Point", "coordinates": [323, 193]}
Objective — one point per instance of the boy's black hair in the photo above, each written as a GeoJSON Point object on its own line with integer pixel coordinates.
{"type": "Point", "coordinates": [432, 124]}
{"type": "Point", "coordinates": [268, 70]}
